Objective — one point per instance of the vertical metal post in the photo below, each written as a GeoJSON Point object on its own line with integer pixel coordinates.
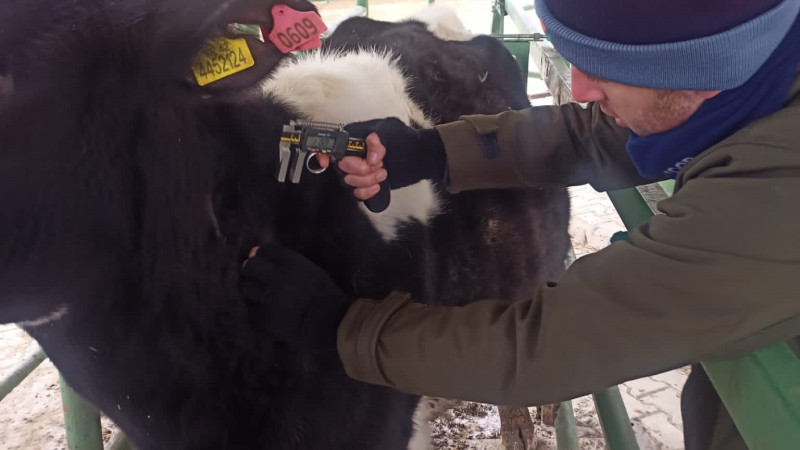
{"type": "Point", "coordinates": [520, 50]}
{"type": "Point", "coordinates": [633, 210]}
{"type": "Point", "coordinates": [566, 431]}
{"type": "Point", "coordinates": [762, 393]}
{"type": "Point", "coordinates": [81, 421]}
{"type": "Point", "coordinates": [614, 420]}
{"type": "Point", "coordinates": [498, 16]}
{"type": "Point", "coordinates": [364, 4]}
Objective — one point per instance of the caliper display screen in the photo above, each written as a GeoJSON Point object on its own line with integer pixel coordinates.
{"type": "Point", "coordinates": [320, 142]}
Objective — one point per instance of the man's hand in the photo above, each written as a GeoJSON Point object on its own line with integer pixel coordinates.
{"type": "Point", "coordinates": [363, 174]}
{"type": "Point", "coordinates": [395, 152]}
{"type": "Point", "coordinates": [292, 298]}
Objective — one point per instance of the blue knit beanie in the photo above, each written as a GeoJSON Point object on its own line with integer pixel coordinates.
{"type": "Point", "coordinates": [674, 44]}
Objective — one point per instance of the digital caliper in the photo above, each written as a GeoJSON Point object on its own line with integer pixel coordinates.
{"type": "Point", "coordinates": [301, 141]}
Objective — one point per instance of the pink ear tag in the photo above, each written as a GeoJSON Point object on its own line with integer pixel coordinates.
{"type": "Point", "coordinates": [295, 30]}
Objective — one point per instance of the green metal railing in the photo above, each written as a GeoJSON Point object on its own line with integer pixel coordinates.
{"type": "Point", "coordinates": [29, 362]}
{"type": "Point", "coordinates": [761, 391]}
{"type": "Point", "coordinates": [81, 419]}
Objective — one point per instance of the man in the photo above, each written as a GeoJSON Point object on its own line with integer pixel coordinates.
{"type": "Point", "coordinates": [705, 92]}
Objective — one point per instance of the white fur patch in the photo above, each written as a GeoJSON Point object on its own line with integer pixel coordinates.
{"type": "Point", "coordinates": [52, 317]}
{"type": "Point", "coordinates": [356, 87]}
{"type": "Point", "coordinates": [418, 201]}
{"type": "Point", "coordinates": [353, 87]}
{"type": "Point", "coordinates": [443, 22]}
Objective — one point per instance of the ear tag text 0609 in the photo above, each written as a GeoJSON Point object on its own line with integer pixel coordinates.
{"type": "Point", "coordinates": [295, 30]}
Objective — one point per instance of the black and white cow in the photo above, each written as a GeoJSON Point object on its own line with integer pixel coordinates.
{"type": "Point", "coordinates": [130, 197]}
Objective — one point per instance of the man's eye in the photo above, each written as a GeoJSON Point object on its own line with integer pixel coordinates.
{"type": "Point", "coordinates": [593, 78]}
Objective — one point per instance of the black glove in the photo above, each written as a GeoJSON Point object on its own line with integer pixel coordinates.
{"type": "Point", "coordinates": [293, 298]}
{"type": "Point", "coordinates": [411, 155]}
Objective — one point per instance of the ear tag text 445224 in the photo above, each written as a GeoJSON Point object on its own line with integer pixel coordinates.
{"type": "Point", "coordinates": [221, 57]}
{"type": "Point", "coordinates": [295, 30]}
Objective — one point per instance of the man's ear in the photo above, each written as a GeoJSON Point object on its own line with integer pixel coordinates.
{"type": "Point", "coordinates": [705, 95]}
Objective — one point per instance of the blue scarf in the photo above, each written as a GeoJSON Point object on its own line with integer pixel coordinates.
{"type": "Point", "coordinates": [663, 154]}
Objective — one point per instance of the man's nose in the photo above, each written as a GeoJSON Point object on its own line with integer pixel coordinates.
{"type": "Point", "coordinates": [585, 88]}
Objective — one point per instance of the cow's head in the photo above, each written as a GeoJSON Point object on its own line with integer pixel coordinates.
{"type": "Point", "coordinates": [184, 31]}
{"type": "Point", "coordinates": [57, 41]}
{"type": "Point", "coordinates": [92, 96]}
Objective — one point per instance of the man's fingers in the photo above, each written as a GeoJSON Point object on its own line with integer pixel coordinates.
{"type": "Point", "coordinates": [357, 166]}
{"type": "Point", "coordinates": [253, 252]}
{"type": "Point", "coordinates": [366, 174]}
{"type": "Point", "coordinates": [375, 150]}
{"type": "Point", "coordinates": [362, 181]}
{"type": "Point", "coordinates": [323, 160]}
{"type": "Point", "coordinates": [366, 192]}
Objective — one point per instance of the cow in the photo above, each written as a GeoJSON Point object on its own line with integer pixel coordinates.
{"type": "Point", "coordinates": [131, 196]}
{"type": "Point", "coordinates": [450, 72]}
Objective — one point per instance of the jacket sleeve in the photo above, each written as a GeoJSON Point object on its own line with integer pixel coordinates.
{"type": "Point", "coordinates": [700, 282]}
{"type": "Point", "coordinates": [545, 146]}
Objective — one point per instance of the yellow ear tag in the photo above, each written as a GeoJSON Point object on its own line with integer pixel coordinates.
{"type": "Point", "coordinates": [221, 57]}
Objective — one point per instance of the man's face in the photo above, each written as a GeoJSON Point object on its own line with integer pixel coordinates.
{"type": "Point", "coordinates": [645, 111]}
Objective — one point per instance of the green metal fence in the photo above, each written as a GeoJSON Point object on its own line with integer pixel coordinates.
{"type": "Point", "coordinates": [81, 419]}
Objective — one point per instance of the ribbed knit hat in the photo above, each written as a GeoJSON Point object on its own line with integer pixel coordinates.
{"type": "Point", "coordinates": [670, 44]}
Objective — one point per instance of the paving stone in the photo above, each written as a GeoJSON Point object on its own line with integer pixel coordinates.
{"type": "Point", "coordinates": [643, 386]}
{"type": "Point", "coordinates": [675, 378]}
{"type": "Point", "coordinates": [644, 437]}
{"type": "Point", "coordinates": [669, 402]}
{"type": "Point", "coordinates": [659, 427]}
{"type": "Point", "coordinates": [637, 409]}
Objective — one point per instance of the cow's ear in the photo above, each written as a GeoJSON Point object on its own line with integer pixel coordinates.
{"type": "Point", "coordinates": [249, 61]}
{"type": "Point", "coordinates": [231, 52]}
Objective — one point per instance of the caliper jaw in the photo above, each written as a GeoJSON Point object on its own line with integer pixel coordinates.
{"type": "Point", "coordinates": [285, 156]}
{"type": "Point", "coordinates": [292, 155]}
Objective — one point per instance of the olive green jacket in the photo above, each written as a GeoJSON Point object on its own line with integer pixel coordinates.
{"type": "Point", "coordinates": [717, 275]}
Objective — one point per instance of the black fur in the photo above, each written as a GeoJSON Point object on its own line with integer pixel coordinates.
{"type": "Point", "coordinates": [500, 243]}
{"type": "Point", "coordinates": [131, 197]}
{"type": "Point", "coordinates": [475, 69]}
